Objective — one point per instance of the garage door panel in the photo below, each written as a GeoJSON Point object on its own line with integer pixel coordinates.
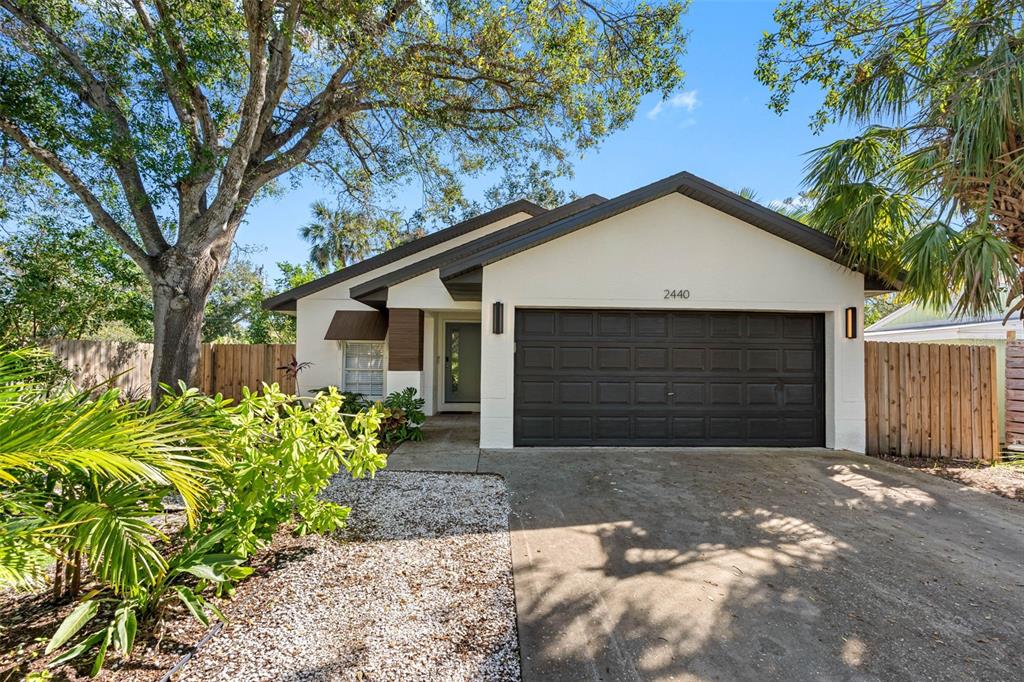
{"type": "Point", "coordinates": [576, 324]}
{"type": "Point", "coordinates": [576, 358]}
{"type": "Point", "coordinates": [613, 393]}
{"type": "Point", "coordinates": [613, 428]}
{"type": "Point", "coordinates": [576, 392]}
{"type": "Point", "coordinates": [538, 357]}
{"type": "Point", "coordinates": [651, 325]}
{"type": "Point", "coordinates": [538, 323]}
{"type": "Point", "coordinates": [687, 393]}
{"type": "Point", "coordinates": [613, 324]}
{"type": "Point", "coordinates": [669, 378]}
{"type": "Point", "coordinates": [762, 394]}
{"type": "Point", "coordinates": [614, 358]}
{"type": "Point", "coordinates": [651, 393]}
{"type": "Point", "coordinates": [688, 359]}
{"type": "Point", "coordinates": [538, 392]}
{"type": "Point", "coordinates": [575, 428]}
{"type": "Point", "coordinates": [652, 358]}
{"type": "Point", "coordinates": [652, 428]}
{"type": "Point", "coordinates": [688, 326]}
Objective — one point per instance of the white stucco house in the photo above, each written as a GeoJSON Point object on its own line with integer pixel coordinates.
{"type": "Point", "coordinates": [675, 314]}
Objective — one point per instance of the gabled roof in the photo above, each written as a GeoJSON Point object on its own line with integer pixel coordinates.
{"type": "Point", "coordinates": [373, 292]}
{"type": "Point", "coordinates": [686, 184]}
{"type": "Point", "coordinates": [287, 299]}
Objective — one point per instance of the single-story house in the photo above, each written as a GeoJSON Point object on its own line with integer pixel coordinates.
{"type": "Point", "coordinates": [676, 314]}
{"type": "Point", "coordinates": [913, 323]}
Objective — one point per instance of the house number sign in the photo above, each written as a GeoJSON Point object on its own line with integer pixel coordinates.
{"type": "Point", "coordinates": [677, 293]}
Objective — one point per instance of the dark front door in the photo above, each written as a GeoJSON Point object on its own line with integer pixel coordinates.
{"type": "Point", "coordinates": [625, 377]}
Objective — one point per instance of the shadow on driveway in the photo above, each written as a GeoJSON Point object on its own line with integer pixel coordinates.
{"type": "Point", "coordinates": [754, 565]}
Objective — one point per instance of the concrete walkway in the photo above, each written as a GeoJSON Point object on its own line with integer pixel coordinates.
{"type": "Point", "coordinates": [698, 564]}
{"type": "Point", "coordinates": [450, 443]}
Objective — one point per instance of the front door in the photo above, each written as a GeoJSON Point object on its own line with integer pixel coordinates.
{"type": "Point", "coordinates": [462, 362]}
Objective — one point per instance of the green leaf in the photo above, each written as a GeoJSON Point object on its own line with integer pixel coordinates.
{"type": "Point", "coordinates": [206, 573]}
{"type": "Point", "coordinates": [74, 622]}
{"type": "Point", "coordinates": [77, 650]}
{"type": "Point", "coordinates": [194, 603]}
{"type": "Point", "coordinates": [101, 655]}
{"type": "Point", "coordinates": [127, 626]}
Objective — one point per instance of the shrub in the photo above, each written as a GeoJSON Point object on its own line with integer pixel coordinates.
{"type": "Point", "coordinates": [404, 417]}
{"type": "Point", "coordinates": [82, 476]}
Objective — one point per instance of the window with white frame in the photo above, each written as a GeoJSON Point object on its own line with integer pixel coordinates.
{"type": "Point", "coordinates": [363, 369]}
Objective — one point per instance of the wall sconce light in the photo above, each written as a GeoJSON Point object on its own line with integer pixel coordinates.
{"type": "Point", "coordinates": [851, 323]}
{"type": "Point", "coordinates": [498, 317]}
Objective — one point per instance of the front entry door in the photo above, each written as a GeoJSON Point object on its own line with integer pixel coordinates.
{"type": "Point", "coordinates": [462, 362]}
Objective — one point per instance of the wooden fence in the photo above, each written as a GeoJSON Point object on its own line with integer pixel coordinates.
{"type": "Point", "coordinates": [223, 368]}
{"type": "Point", "coordinates": [932, 400]}
{"type": "Point", "coordinates": [1014, 394]}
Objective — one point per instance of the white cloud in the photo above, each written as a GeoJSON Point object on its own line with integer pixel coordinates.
{"type": "Point", "coordinates": [687, 99]}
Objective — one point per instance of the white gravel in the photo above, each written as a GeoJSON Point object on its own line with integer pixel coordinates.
{"type": "Point", "coordinates": [419, 587]}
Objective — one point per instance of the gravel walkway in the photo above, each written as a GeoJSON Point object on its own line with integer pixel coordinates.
{"type": "Point", "coordinates": [419, 587]}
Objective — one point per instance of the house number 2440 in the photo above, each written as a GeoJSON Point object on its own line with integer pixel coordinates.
{"type": "Point", "coordinates": [677, 293]}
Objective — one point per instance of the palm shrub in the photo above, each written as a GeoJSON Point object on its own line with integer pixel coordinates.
{"type": "Point", "coordinates": [81, 475]}
{"type": "Point", "coordinates": [82, 478]}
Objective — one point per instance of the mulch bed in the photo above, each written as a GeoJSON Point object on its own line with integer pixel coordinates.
{"type": "Point", "coordinates": [419, 587]}
{"type": "Point", "coordinates": [1006, 481]}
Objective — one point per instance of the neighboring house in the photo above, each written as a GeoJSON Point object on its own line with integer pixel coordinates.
{"type": "Point", "coordinates": [675, 314]}
{"type": "Point", "coordinates": [913, 323]}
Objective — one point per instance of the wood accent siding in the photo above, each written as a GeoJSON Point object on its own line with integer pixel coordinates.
{"type": "Point", "coordinates": [405, 340]}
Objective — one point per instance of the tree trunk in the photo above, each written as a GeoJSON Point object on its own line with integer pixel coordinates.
{"type": "Point", "coordinates": [182, 281]}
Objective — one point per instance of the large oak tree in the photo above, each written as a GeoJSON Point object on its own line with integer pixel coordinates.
{"type": "Point", "coordinates": [169, 118]}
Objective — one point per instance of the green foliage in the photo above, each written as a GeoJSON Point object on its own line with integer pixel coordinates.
{"type": "Point", "coordinates": [928, 193]}
{"type": "Point", "coordinates": [282, 454]}
{"type": "Point", "coordinates": [404, 416]}
{"type": "Point", "coordinates": [340, 236]}
{"type": "Point", "coordinates": [62, 280]}
{"type": "Point", "coordinates": [82, 478]}
{"type": "Point", "coordinates": [401, 413]}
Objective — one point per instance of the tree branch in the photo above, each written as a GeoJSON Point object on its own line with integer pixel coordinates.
{"type": "Point", "coordinates": [258, 16]}
{"type": "Point", "coordinates": [78, 186]}
{"type": "Point", "coordinates": [125, 165]}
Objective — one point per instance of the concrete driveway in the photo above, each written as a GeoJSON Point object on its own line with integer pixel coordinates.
{"type": "Point", "coordinates": [754, 565]}
{"type": "Point", "coordinates": [747, 565]}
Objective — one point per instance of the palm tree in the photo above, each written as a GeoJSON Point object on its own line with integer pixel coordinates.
{"type": "Point", "coordinates": [81, 476]}
{"type": "Point", "coordinates": [339, 237]}
{"type": "Point", "coordinates": [931, 192]}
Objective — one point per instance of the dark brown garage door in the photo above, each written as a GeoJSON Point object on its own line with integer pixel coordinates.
{"type": "Point", "coordinates": [605, 377]}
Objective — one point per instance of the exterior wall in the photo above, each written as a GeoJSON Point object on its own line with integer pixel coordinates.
{"type": "Point", "coordinates": [315, 311]}
{"type": "Point", "coordinates": [629, 260]}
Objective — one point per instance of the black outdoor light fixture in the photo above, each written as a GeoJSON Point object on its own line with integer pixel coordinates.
{"type": "Point", "coordinates": [498, 317]}
{"type": "Point", "coordinates": [851, 322]}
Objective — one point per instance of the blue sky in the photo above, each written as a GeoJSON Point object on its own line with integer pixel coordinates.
{"type": "Point", "coordinates": [717, 126]}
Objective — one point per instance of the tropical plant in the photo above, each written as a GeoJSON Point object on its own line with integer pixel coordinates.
{"type": "Point", "coordinates": [282, 453]}
{"type": "Point", "coordinates": [404, 416]}
{"type": "Point", "coordinates": [930, 192]}
{"type": "Point", "coordinates": [79, 476]}
{"type": "Point", "coordinates": [83, 476]}
{"type": "Point", "coordinates": [168, 119]}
